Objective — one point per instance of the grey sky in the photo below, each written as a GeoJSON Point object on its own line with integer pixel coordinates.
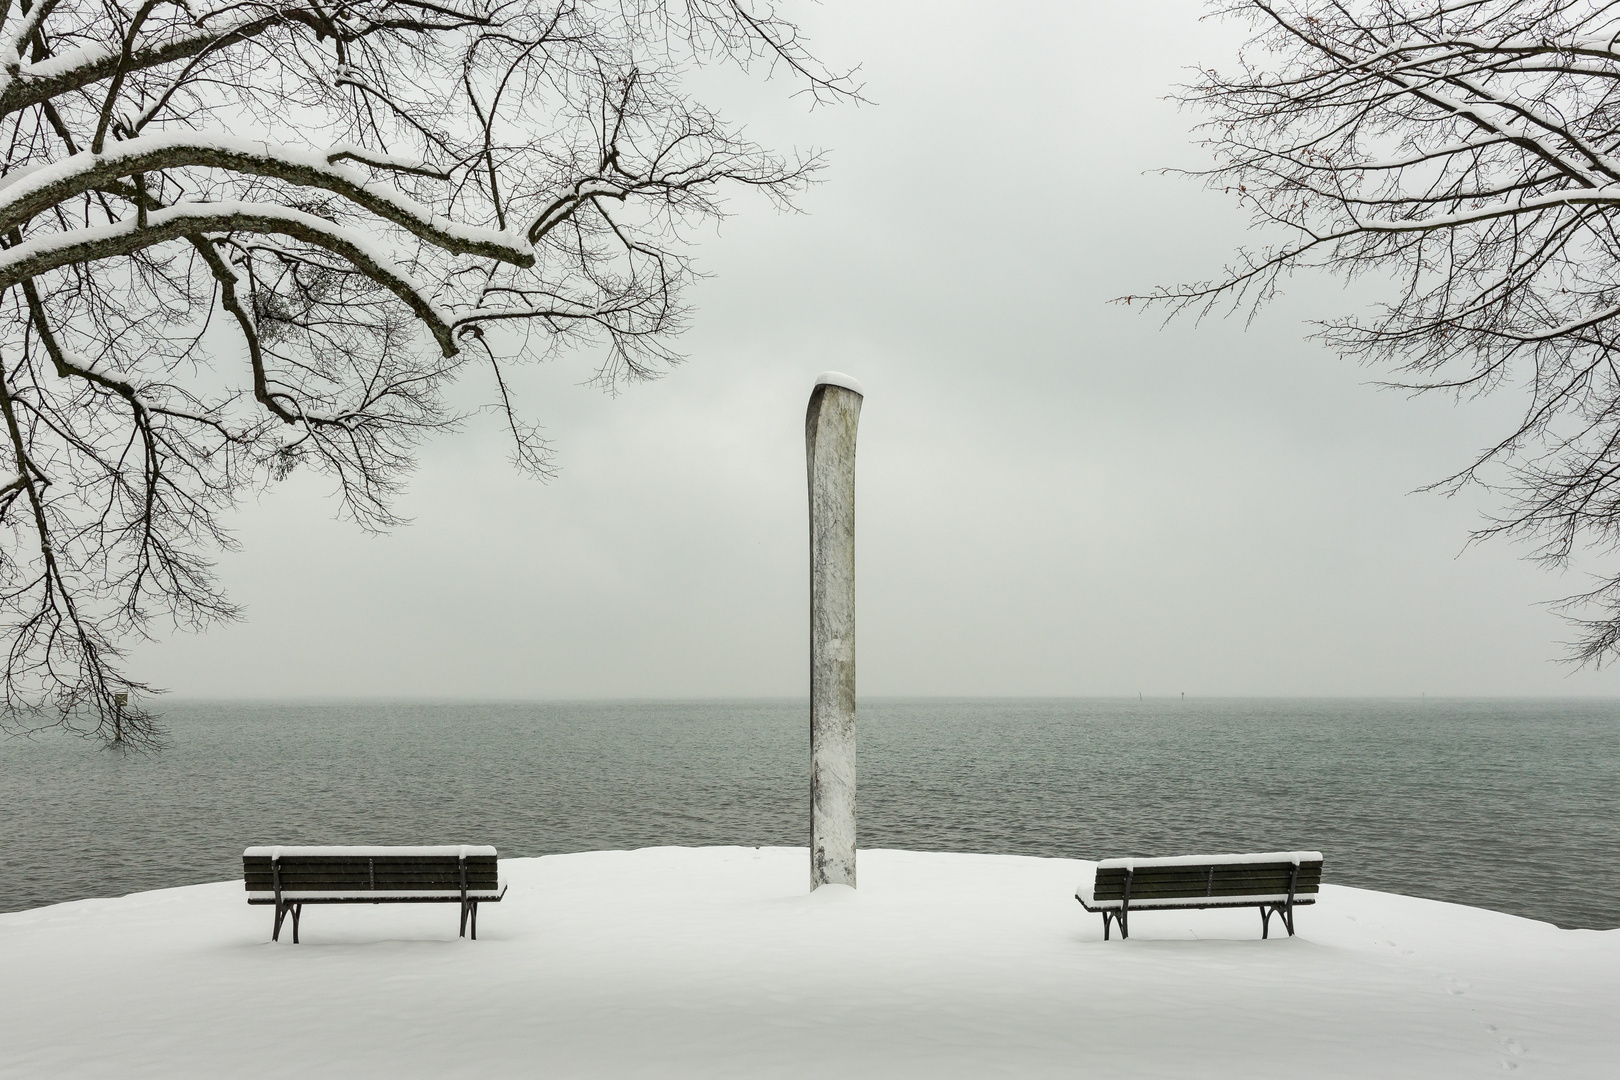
{"type": "Point", "coordinates": [1056, 496]}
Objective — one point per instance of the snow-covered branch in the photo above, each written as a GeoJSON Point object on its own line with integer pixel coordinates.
{"type": "Point", "coordinates": [1466, 155]}
{"type": "Point", "coordinates": [83, 66]}
{"type": "Point", "coordinates": [53, 251]}
{"type": "Point", "coordinates": [336, 182]}
{"type": "Point", "coordinates": [47, 186]}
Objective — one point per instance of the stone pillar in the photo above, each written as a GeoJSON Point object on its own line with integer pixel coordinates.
{"type": "Point", "coordinates": [829, 443]}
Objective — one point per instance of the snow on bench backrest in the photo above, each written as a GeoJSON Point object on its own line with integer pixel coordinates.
{"type": "Point", "coordinates": [1294, 857]}
{"type": "Point", "coordinates": [460, 851]}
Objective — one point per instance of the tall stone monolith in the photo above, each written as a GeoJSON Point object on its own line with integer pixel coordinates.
{"type": "Point", "coordinates": [829, 443]}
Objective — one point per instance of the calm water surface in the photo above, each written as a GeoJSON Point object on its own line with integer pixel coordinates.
{"type": "Point", "coordinates": [1508, 805]}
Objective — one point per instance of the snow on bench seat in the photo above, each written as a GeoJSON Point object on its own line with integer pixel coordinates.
{"type": "Point", "coordinates": [366, 851]}
{"type": "Point", "coordinates": [372, 895]}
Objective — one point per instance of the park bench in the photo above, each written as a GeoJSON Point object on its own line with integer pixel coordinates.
{"type": "Point", "coordinates": [1274, 881]}
{"type": "Point", "coordinates": [290, 877]}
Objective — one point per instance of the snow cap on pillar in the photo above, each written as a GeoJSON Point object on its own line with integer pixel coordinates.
{"type": "Point", "coordinates": [838, 378]}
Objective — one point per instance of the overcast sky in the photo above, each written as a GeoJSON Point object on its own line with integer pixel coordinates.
{"type": "Point", "coordinates": [1056, 496]}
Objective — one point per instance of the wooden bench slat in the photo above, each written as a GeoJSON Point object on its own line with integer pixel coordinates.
{"type": "Point", "coordinates": [366, 886]}
{"type": "Point", "coordinates": [376, 899]}
{"type": "Point", "coordinates": [1110, 883]}
{"type": "Point", "coordinates": [1146, 891]}
{"type": "Point", "coordinates": [381, 886]}
{"type": "Point", "coordinates": [1194, 888]}
{"type": "Point", "coordinates": [1191, 887]}
{"type": "Point", "coordinates": [1220, 868]}
{"type": "Point", "coordinates": [1203, 879]}
{"type": "Point", "coordinates": [388, 864]}
{"type": "Point", "coordinates": [380, 871]}
{"type": "Point", "coordinates": [1260, 885]}
{"type": "Point", "coordinates": [1195, 880]}
{"type": "Point", "coordinates": [393, 866]}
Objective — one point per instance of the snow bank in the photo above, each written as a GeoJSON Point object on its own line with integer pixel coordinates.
{"type": "Point", "coordinates": [714, 962]}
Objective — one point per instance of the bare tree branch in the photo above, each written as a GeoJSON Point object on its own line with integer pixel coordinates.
{"type": "Point", "coordinates": [372, 196]}
{"type": "Point", "coordinates": [1468, 154]}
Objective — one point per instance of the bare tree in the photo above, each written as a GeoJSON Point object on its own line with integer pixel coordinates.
{"type": "Point", "coordinates": [1467, 155]}
{"type": "Point", "coordinates": [239, 238]}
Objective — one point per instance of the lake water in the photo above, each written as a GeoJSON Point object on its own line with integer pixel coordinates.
{"type": "Point", "coordinates": [1513, 805]}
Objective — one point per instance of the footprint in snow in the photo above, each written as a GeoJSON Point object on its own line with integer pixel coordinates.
{"type": "Point", "coordinates": [1511, 1048]}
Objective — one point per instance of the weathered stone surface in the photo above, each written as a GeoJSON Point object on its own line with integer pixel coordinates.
{"type": "Point", "coordinates": [829, 435]}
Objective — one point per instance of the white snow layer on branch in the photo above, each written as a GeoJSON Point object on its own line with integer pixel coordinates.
{"type": "Point", "coordinates": [1521, 114]}
{"type": "Point", "coordinates": [54, 250]}
{"type": "Point", "coordinates": [103, 57]}
{"type": "Point", "coordinates": [47, 185]}
{"type": "Point", "coordinates": [1606, 195]}
{"type": "Point", "coordinates": [377, 159]}
{"type": "Point", "coordinates": [11, 58]}
{"type": "Point", "coordinates": [84, 365]}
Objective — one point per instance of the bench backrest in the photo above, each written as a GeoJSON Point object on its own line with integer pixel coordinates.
{"type": "Point", "coordinates": [1187, 879]}
{"type": "Point", "coordinates": [380, 870]}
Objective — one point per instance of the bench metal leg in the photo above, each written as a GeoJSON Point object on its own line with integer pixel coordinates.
{"type": "Point", "coordinates": [466, 902]}
{"type": "Point", "coordinates": [469, 914]}
{"type": "Point", "coordinates": [282, 911]}
{"type": "Point", "coordinates": [1285, 911]}
{"type": "Point", "coordinates": [1119, 918]}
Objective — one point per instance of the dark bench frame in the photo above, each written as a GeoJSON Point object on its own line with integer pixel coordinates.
{"type": "Point", "coordinates": [342, 874]}
{"type": "Point", "coordinates": [1177, 880]}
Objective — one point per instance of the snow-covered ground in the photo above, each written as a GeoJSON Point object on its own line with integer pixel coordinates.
{"type": "Point", "coordinates": [714, 962]}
